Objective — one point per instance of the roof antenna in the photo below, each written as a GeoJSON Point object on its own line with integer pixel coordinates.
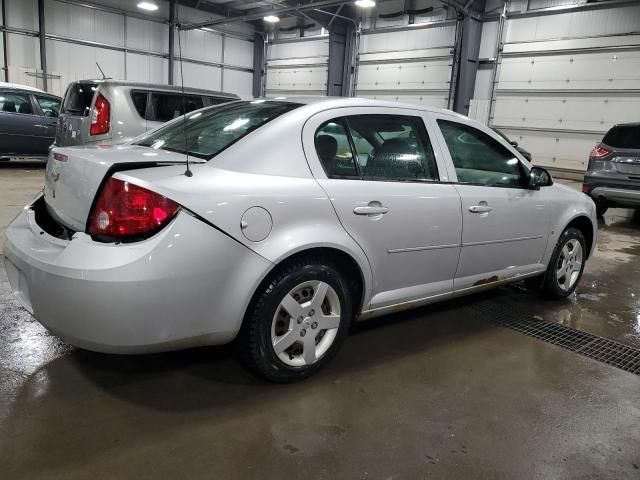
{"type": "Point", "coordinates": [187, 172]}
{"type": "Point", "coordinates": [104, 77]}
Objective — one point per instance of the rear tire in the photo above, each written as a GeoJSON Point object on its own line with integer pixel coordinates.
{"type": "Point", "coordinates": [296, 322]}
{"type": "Point", "coordinates": [566, 265]}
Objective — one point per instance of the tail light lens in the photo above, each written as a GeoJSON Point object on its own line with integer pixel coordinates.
{"type": "Point", "coordinates": [598, 153]}
{"type": "Point", "coordinates": [586, 188]}
{"type": "Point", "coordinates": [100, 116]}
{"type": "Point", "coordinates": [127, 210]}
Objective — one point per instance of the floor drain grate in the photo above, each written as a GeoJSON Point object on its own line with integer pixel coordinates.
{"type": "Point", "coordinates": [601, 349]}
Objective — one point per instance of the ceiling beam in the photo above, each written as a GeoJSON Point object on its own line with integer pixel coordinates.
{"type": "Point", "coordinates": [260, 14]}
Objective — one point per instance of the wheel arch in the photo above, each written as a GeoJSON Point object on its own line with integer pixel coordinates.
{"type": "Point", "coordinates": [586, 227]}
{"type": "Point", "coordinates": [345, 261]}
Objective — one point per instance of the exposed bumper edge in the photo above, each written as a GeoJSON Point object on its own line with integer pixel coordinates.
{"type": "Point", "coordinates": [620, 196]}
{"type": "Point", "coordinates": [186, 286]}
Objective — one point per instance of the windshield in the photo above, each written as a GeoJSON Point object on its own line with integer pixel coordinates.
{"type": "Point", "coordinates": [211, 130]}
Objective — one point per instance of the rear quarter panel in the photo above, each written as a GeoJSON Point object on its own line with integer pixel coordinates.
{"type": "Point", "coordinates": [302, 216]}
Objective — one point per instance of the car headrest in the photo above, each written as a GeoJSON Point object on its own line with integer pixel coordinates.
{"type": "Point", "coordinates": [327, 147]}
{"type": "Point", "coordinates": [25, 108]}
{"type": "Point", "coordinates": [9, 107]}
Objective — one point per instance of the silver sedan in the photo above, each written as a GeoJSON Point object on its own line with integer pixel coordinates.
{"type": "Point", "coordinates": [290, 219]}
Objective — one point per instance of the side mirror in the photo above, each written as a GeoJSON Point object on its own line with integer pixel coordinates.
{"type": "Point", "coordinates": [539, 177]}
{"type": "Point", "coordinates": [514, 144]}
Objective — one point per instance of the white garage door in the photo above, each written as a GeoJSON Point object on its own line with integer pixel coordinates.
{"type": "Point", "coordinates": [298, 66]}
{"type": "Point", "coordinates": [564, 80]}
{"type": "Point", "coordinates": [410, 64]}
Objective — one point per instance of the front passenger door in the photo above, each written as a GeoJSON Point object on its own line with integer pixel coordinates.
{"type": "Point", "coordinates": [505, 224]}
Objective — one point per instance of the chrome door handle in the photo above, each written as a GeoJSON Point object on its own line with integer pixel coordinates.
{"type": "Point", "coordinates": [371, 210]}
{"type": "Point", "coordinates": [480, 209]}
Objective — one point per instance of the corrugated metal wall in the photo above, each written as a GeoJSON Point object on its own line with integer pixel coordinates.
{"type": "Point", "coordinates": [564, 79]}
{"type": "Point", "coordinates": [125, 46]}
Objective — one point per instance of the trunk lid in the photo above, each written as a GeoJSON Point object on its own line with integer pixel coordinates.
{"type": "Point", "coordinates": [626, 161]}
{"type": "Point", "coordinates": [74, 176]}
{"type": "Point", "coordinates": [75, 116]}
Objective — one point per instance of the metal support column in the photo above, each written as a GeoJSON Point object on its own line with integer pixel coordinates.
{"type": "Point", "coordinates": [496, 63]}
{"type": "Point", "coordinates": [340, 59]}
{"type": "Point", "coordinates": [259, 42]}
{"type": "Point", "coordinates": [43, 44]}
{"type": "Point", "coordinates": [468, 64]}
{"type": "Point", "coordinates": [4, 44]}
{"type": "Point", "coordinates": [172, 31]}
{"type": "Point", "coordinates": [222, 63]}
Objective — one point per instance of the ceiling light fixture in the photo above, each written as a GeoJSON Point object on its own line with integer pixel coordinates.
{"type": "Point", "coordinates": [150, 6]}
{"type": "Point", "coordinates": [271, 18]}
{"type": "Point", "coordinates": [365, 3]}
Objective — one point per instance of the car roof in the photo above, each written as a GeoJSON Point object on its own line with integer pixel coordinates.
{"type": "Point", "coordinates": [157, 86]}
{"type": "Point", "coordinates": [338, 102]}
{"type": "Point", "coordinates": [17, 86]}
{"type": "Point", "coordinates": [630, 124]}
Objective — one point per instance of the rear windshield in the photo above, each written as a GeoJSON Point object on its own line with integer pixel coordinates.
{"type": "Point", "coordinates": [623, 136]}
{"type": "Point", "coordinates": [211, 130]}
{"type": "Point", "coordinates": [78, 98]}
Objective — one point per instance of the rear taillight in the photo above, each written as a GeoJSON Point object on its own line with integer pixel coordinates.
{"type": "Point", "coordinates": [586, 188]}
{"type": "Point", "coordinates": [100, 116]}
{"type": "Point", "coordinates": [598, 153]}
{"type": "Point", "coordinates": [127, 210]}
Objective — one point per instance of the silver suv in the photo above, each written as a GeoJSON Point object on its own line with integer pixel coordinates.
{"type": "Point", "coordinates": [613, 176]}
{"type": "Point", "coordinates": [110, 111]}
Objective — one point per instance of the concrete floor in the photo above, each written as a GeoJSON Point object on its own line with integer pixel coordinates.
{"type": "Point", "coordinates": [432, 393]}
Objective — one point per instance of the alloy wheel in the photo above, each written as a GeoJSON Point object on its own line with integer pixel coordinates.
{"type": "Point", "coordinates": [306, 323]}
{"type": "Point", "coordinates": [569, 265]}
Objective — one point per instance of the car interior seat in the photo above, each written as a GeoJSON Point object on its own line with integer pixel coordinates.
{"type": "Point", "coordinates": [9, 107]}
{"type": "Point", "coordinates": [25, 108]}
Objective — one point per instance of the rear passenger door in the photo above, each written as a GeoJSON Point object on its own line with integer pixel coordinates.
{"type": "Point", "coordinates": [22, 130]}
{"type": "Point", "coordinates": [387, 184]}
{"type": "Point", "coordinates": [505, 224]}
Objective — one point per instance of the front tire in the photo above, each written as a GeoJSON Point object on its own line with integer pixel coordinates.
{"type": "Point", "coordinates": [566, 265]}
{"type": "Point", "coordinates": [296, 322]}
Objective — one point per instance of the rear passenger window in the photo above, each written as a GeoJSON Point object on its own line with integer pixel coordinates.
{"type": "Point", "coordinates": [140, 102]}
{"type": "Point", "coordinates": [478, 158]}
{"type": "Point", "coordinates": [392, 147]}
{"type": "Point", "coordinates": [332, 146]}
{"type": "Point", "coordinates": [167, 106]}
{"type": "Point", "coordinates": [218, 100]}
{"type": "Point", "coordinates": [15, 103]}
{"type": "Point", "coordinates": [377, 147]}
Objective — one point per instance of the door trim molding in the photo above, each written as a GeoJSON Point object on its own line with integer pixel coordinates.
{"type": "Point", "coordinates": [490, 242]}
{"type": "Point", "coordinates": [418, 249]}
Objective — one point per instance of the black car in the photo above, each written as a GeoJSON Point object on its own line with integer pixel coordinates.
{"type": "Point", "coordinates": [522, 151]}
{"type": "Point", "coordinates": [613, 175]}
{"type": "Point", "coordinates": [28, 119]}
